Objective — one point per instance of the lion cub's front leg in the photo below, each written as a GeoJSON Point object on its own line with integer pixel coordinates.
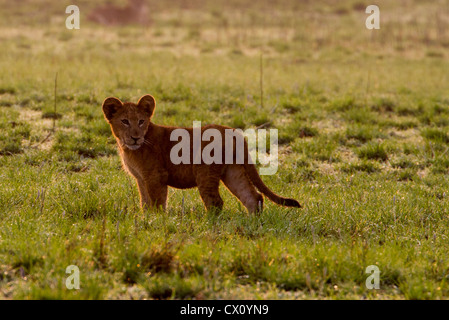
{"type": "Point", "coordinates": [152, 195]}
{"type": "Point", "coordinates": [143, 192]}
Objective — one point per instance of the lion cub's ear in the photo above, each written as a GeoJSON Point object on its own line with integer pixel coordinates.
{"type": "Point", "coordinates": [148, 103]}
{"type": "Point", "coordinates": [110, 106]}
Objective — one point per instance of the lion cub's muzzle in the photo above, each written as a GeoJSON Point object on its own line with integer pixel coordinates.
{"type": "Point", "coordinates": [133, 143]}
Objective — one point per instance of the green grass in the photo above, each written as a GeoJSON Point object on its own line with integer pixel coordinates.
{"type": "Point", "coordinates": [363, 127]}
{"type": "Point", "coordinates": [373, 151]}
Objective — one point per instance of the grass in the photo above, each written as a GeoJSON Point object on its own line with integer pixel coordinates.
{"type": "Point", "coordinates": [373, 151]}
{"type": "Point", "coordinates": [363, 129]}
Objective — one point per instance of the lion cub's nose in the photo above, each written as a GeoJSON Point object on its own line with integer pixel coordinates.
{"type": "Point", "coordinates": [135, 139]}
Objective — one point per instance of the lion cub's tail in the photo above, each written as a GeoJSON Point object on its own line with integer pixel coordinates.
{"type": "Point", "coordinates": [257, 181]}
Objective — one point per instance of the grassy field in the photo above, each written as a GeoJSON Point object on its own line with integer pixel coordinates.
{"type": "Point", "coordinates": [363, 119]}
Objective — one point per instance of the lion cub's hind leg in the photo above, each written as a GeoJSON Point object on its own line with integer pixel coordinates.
{"type": "Point", "coordinates": [208, 186]}
{"type": "Point", "coordinates": [236, 180]}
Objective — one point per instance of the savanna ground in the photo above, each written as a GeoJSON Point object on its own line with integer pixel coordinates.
{"type": "Point", "coordinates": [363, 119]}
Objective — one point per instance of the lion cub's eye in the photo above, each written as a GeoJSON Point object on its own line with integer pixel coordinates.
{"type": "Point", "coordinates": [125, 122]}
{"type": "Point", "coordinates": [141, 122]}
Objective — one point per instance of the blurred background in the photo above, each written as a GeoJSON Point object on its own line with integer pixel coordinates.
{"type": "Point", "coordinates": [302, 28]}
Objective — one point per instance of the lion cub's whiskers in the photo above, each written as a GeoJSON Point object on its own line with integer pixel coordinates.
{"type": "Point", "coordinates": [148, 143]}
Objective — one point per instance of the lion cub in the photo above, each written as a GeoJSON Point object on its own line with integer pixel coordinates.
{"type": "Point", "coordinates": [145, 149]}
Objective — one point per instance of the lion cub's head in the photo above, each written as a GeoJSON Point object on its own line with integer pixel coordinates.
{"type": "Point", "coordinates": [129, 121]}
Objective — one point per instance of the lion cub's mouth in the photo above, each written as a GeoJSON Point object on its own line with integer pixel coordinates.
{"type": "Point", "coordinates": [133, 146]}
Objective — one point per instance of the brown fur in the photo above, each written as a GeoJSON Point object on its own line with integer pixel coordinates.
{"type": "Point", "coordinates": [154, 172]}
